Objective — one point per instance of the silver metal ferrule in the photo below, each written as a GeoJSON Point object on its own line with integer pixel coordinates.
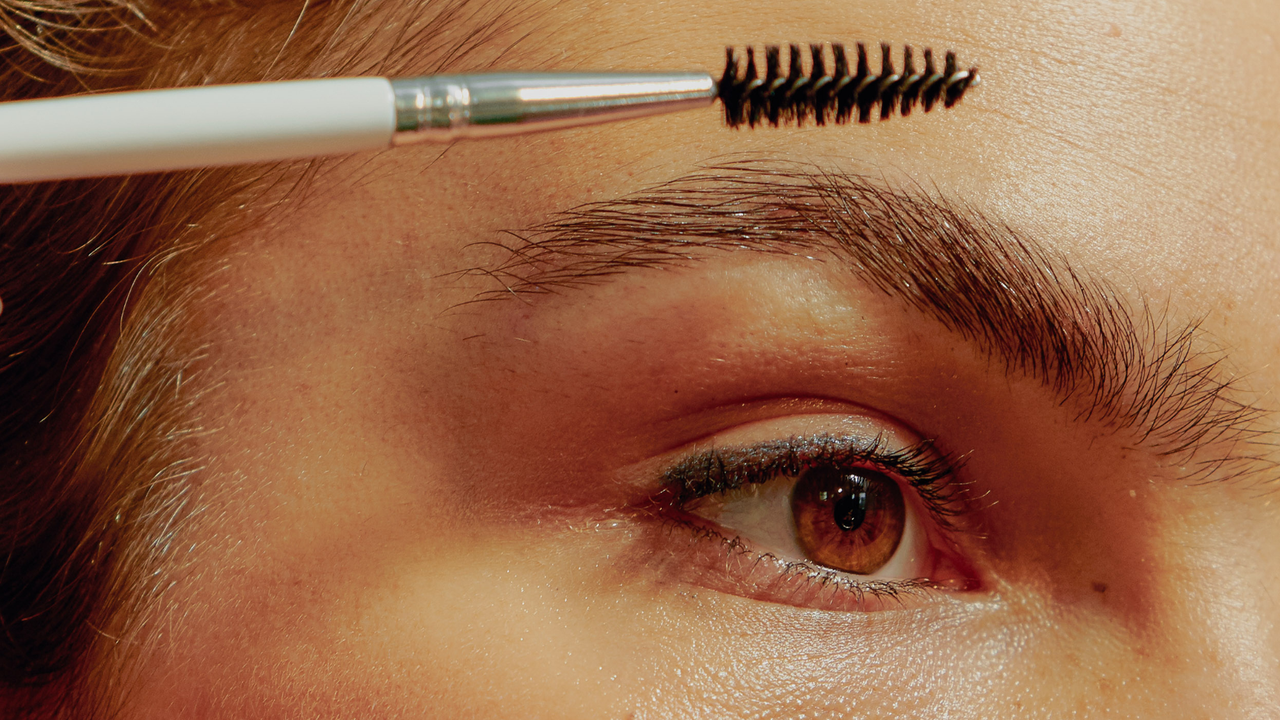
{"type": "Point", "coordinates": [443, 108]}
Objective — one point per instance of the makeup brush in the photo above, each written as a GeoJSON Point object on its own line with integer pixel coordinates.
{"type": "Point", "coordinates": [173, 129]}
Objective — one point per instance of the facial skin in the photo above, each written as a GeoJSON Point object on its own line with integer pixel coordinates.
{"type": "Point", "coordinates": [420, 506]}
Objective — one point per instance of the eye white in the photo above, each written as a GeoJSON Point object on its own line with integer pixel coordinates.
{"type": "Point", "coordinates": [760, 514]}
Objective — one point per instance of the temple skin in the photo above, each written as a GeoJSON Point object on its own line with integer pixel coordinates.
{"type": "Point", "coordinates": [414, 505]}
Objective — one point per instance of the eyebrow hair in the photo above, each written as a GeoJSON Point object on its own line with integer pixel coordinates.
{"type": "Point", "coordinates": [998, 289]}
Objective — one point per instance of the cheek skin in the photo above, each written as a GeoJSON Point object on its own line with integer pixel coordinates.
{"type": "Point", "coordinates": [1227, 550]}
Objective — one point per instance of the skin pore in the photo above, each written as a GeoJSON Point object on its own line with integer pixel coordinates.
{"type": "Point", "coordinates": [414, 504]}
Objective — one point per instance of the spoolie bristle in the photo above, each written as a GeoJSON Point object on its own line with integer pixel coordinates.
{"type": "Point", "coordinates": [838, 95]}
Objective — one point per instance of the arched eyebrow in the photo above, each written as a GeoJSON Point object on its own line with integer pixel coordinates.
{"type": "Point", "coordinates": [1128, 368]}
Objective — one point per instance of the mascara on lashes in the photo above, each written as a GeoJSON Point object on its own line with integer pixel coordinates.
{"type": "Point", "coordinates": [720, 470]}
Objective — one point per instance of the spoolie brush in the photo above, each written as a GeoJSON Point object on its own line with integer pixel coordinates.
{"type": "Point", "coordinates": [161, 130]}
{"type": "Point", "coordinates": [838, 95]}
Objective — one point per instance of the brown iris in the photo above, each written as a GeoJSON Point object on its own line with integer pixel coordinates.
{"type": "Point", "coordinates": [849, 519]}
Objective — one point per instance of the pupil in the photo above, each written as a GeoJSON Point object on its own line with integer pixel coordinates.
{"type": "Point", "coordinates": [851, 510]}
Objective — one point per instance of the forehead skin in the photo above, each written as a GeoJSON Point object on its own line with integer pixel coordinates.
{"type": "Point", "coordinates": [386, 527]}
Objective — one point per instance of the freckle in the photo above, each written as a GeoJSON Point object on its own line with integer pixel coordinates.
{"type": "Point", "coordinates": [1113, 30]}
{"type": "Point", "coordinates": [1099, 587]}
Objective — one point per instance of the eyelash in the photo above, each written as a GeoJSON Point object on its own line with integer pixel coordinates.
{"type": "Point", "coordinates": [929, 472]}
{"type": "Point", "coordinates": [922, 466]}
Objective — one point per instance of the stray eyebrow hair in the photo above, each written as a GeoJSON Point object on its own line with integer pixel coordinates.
{"type": "Point", "coordinates": [995, 287]}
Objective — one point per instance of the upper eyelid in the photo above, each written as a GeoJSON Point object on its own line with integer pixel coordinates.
{"type": "Point", "coordinates": [929, 472]}
{"type": "Point", "coordinates": [724, 467]}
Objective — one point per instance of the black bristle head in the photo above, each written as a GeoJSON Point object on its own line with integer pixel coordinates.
{"type": "Point", "coordinates": [868, 94]}
{"type": "Point", "coordinates": [842, 62]}
{"type": "Point", "coordinates": [841, 79]}
{"type": "Point", "coordinates": [795, 100]}
{"type": "Point", "coordinates": [790, 94]}
{"type": "Point", "coordinates": [890, 83]}
{"type": "Point", "coordinates": [752, 96]}
{"type": "Point", "coordinates": [773, 82]}
{"type": "Point", "coordinates": [820, 87]}
{"type": "Point", "coordinates": [932, 82]}
{"type": "Point", "coordinates": [730, 90]}
{"type": "Point", "coordinates": [956, 89]}
{"type": "Point", "coordinates": [911, 82]}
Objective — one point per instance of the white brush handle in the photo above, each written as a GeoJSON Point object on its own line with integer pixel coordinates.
{"type": "Point", "coordinates": [155, 130]}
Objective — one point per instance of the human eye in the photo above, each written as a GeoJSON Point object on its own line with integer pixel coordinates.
{"type": "Point", "coordinates": [863, 520]}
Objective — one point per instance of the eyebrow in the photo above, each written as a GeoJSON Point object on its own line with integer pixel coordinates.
{"type": "Point", "coordinates": [1129, 369]}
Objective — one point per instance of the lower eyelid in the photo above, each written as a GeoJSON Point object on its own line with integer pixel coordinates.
{"type": "Point", "coordinates": [727, 564]}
